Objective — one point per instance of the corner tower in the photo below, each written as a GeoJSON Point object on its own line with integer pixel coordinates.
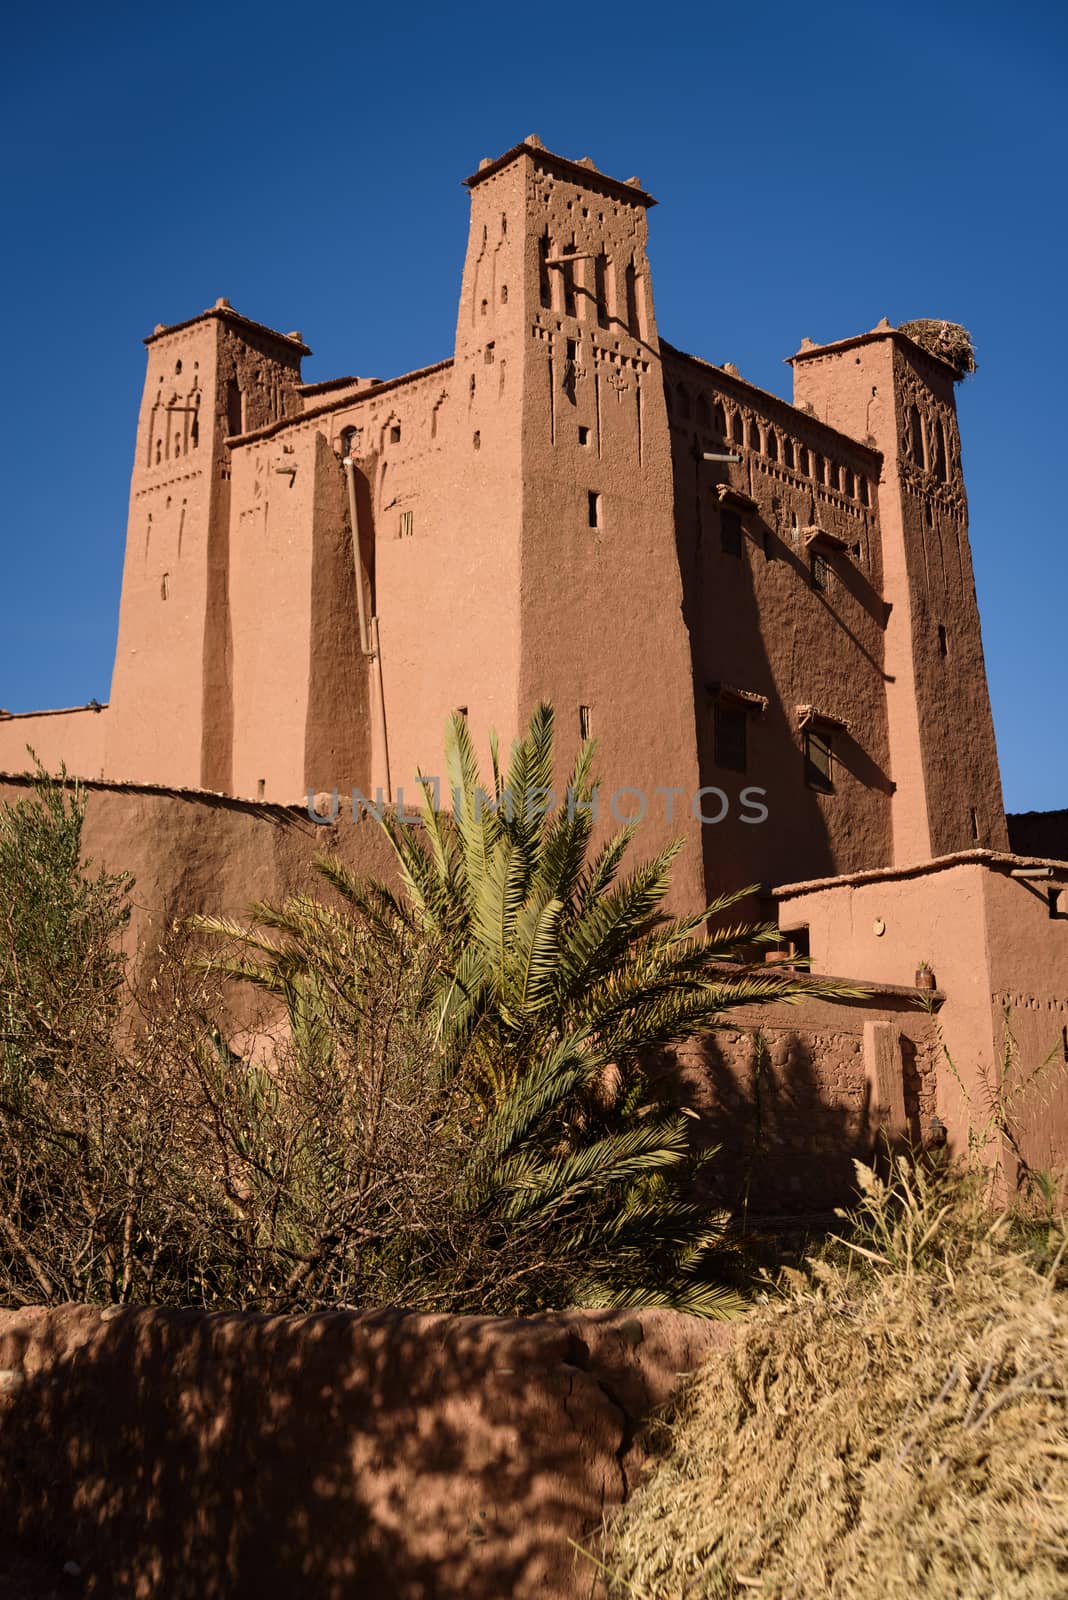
{"type": "Point", "coordinates": [884, 388]}
{"type": "Point", "coordinates": [171, 710]}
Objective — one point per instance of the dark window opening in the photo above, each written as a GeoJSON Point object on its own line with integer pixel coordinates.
{"type": "Point", "coordinates": [773, 445]}
{"type": "Point", "coordinates": [487, 355]}
{"type": "Point", "coordinates": [719, 421]}
{"type": "Point", "coordinates": [862, 490]}
{"type": "Point", "coordinates": [545, 287]}
{"type": "Point", "coordinates": [584, 722]}
{"type": "Point", "coordinates": [600, 281]}
{"type": "Point", "coordinates": [788, 452]}
{"type": "Point", "coordinates": [583, 435]}
{"type": "Point", "coordinates": [261, 788]}
{"type": "Point", "coordinates": [754, 436]}
{"type": "Point", "coordinates": [943, 640]}
{"type": "Point", "coordinates": [235, 408]}
{"type": "Point", "coordinates": [730, 737]}
{"type": "Point", "coordinates": [394, 433]}
{"type": "Point", "coordinates": [819, 758]}
{"type": "Point", "coordinates": [572, 349]}
{"type": "Point", "coordinates": [821, 572]}
{"type": "Point", "coordinates": [737, 428]}
{"type": "Point", "coordinates": [593, 508]}
{"type": "Point", "coordinates": [704, 413]}
{"type": "Point", "coordinates": [730, 532]}
{"type": "Point", "coordinates": [974, 819]}
{"type": "Point", "coordinates": [940, 471]}
{"type": "Point", "coordinates": [916, 449]}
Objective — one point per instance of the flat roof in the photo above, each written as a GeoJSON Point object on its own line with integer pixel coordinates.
{"type": "Point", "coordinates": [809, 350]}
{"type": "Point", "coordinates": [1001, 859]}
{"type": "Point", "coordinates": [226, 313]}
{"type": "Point", "coordinates": [580, 171]}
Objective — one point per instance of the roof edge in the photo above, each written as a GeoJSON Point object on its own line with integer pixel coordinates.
{"type": "Point", "coordinates": [228, 314]}
{"type": "Point", "coordinates": [574, 169]}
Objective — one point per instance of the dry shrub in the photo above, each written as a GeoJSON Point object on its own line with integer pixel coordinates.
{"type": "Point", "coordinates": [947, 340]}
{"type": "Point", "coordinates": [895, 1425]}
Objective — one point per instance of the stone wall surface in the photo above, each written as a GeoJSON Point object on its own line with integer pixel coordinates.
{"type": "Point", "coordinates": [387, 1455]}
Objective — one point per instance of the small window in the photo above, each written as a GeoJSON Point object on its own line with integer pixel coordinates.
{"type": "Point", "coordinates": [261, 788]}
{"type": "Point", "coordinates": [737, 428]}
{"type": "Point", "coordinates": [177, 369]}
{"type": "Point", "coordinates": [593, 508]}
{"type": "Point", "coordinates": [754, 436]}
{"type": "Point", "coordinates": [802, 460]}
{"type": "Point", "coordinates": [788, 452]}
{"type": "Point", "coordinates": [583, 435]}
{"type": "Point", "coordinates": [584, 722]}
{"type": "Point", "coordinates": [405, 525]}
{"type": "Point", "coordinates": [488, 354]}
{"type": "Point", "coordinates": [461, 712]}
{"type": "Point", "coordinates": [730, 734]}
{"type": "Point", "coordinates": [819, 757]}
{"type": "Point", "coordinates": [350, 441]}
{"type": "Point", "coordinates": [821, 572]}
{"type": "Point", "coordinates": [165, 586]}
{"type": "Point", "coordinates": [862, 490]}
{"type": "Point", "coordinates": [572, 349]}
{"type": "Point", "coordinates": [943, 640]}
{"type": "Point", "coordinates": [730, 532]}
{"type": "Point", "coordinates": [476, 439]}
{"type": "Point", "coordinates": [394, 433]}
{"type": "Point", "coordinates": [773, 445]}
{"type": "Point", "coordinates": [973, 817]}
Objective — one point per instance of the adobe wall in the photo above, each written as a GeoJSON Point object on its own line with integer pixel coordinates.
{"type": "Point", "coordinates": [758, 623]}
{"type": "Point", "coordinates": [1039, 833]}
{"type": "Point", "coordinates": [882, 386]}
{"type": "Point", "coordinates": [793, 1095]}
{"type": "Point", "coordinates": [77, 737]}
{"type": "Point", "coordinates": [188, 1456]}
{"type": "Point", "coordinates": [992, 941]}
{"type": "Point", "coordinates": [789, 1093]}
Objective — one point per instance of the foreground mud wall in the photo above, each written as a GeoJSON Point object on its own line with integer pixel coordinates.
{"type": "Point", "coordinates": [394, 1456]}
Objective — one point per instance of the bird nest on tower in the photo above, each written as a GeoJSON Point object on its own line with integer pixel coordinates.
{"type": "Point", "coordinates": [947, 340]}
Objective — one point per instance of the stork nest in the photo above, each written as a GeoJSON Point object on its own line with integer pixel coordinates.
{"type": "Point", "coordinates": [947, 340]}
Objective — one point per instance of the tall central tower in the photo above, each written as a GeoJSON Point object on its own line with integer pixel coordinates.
{"type": "Point", "coordinates": [557, 299]}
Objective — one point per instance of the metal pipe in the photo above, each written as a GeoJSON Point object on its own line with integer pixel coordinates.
{"type": "Point", "coordinates": [357, 553]}
{"type": "Point", "coordinates": [1031, 872]}
{"type": "Point", "coordinates": [710, 455]}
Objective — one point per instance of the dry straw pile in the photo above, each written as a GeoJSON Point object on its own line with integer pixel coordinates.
{"type": "Point", "coordinates": [889, 1429]}
{"type": "Point", "coordinates": [947, 340]}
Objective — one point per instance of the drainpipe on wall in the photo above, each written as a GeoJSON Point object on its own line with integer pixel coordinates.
{"type": "Point", "coordinates": [369, 643]}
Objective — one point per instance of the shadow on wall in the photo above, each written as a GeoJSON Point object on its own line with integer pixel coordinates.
{"type": "Point", "coordinates": [791, 1112]}
{"type": "Point", "coordinates": [179, 1454]}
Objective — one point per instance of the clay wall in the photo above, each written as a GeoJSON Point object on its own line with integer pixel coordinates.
{"type": "Point", "coordinates": [793, 1096]}
{"type": "Point", "coordinates": [763, 621]}
{"type": "Point", "coordinates": [187, 1456]}
{"type": "Point", "coordinates": [77, 737]}
{"type": "Point", "coordinates": [885, 387]}
{"type": "Point", "coordinates": [603, 635]}
{"type": "Point", "coordinates": [992, 941]}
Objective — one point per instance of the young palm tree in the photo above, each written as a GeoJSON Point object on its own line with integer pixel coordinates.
{"type": "Point", "coordinates": [550, 982]}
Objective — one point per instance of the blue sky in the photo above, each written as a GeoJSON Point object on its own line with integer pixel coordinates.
{"type": "Point", "coordinates": [818, 168]}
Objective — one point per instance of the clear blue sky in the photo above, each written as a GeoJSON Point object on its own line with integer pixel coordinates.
{"type": "Point", "coordinates": [818, 167]}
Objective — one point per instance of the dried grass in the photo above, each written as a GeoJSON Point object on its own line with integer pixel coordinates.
{"type": "Point", "coordinates": [947, 340]}
{"type": "Point", "coordinates": [897, 1425]}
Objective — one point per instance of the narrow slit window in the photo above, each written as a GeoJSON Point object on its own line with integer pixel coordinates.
{"type": "Point", "coordinates": [973, 816]}
{"type": "Point", "coordinates": [821, 572]}
{"type": "Point", "coordinates": [943, 640]}
{"type": "Point", "coordinates": [583, 435]}
{"type": "Point", "coordinates": [405, 530]}
{"type": "Point", "coordinates": [584, 722]}
{"type": "Point", "coordinates": [730, 737]}
{"type": "Point", "coordinates": [593, 508]}
{"type": "Point", "coordinates": [819, 760]}
{"type": "Point", "coordinates": [261, 788]}
{"type": "Point", "coordinates": [730, 532]}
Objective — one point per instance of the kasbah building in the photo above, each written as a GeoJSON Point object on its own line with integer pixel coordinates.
{"type": "Point", "coordinates": [730, 592]}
